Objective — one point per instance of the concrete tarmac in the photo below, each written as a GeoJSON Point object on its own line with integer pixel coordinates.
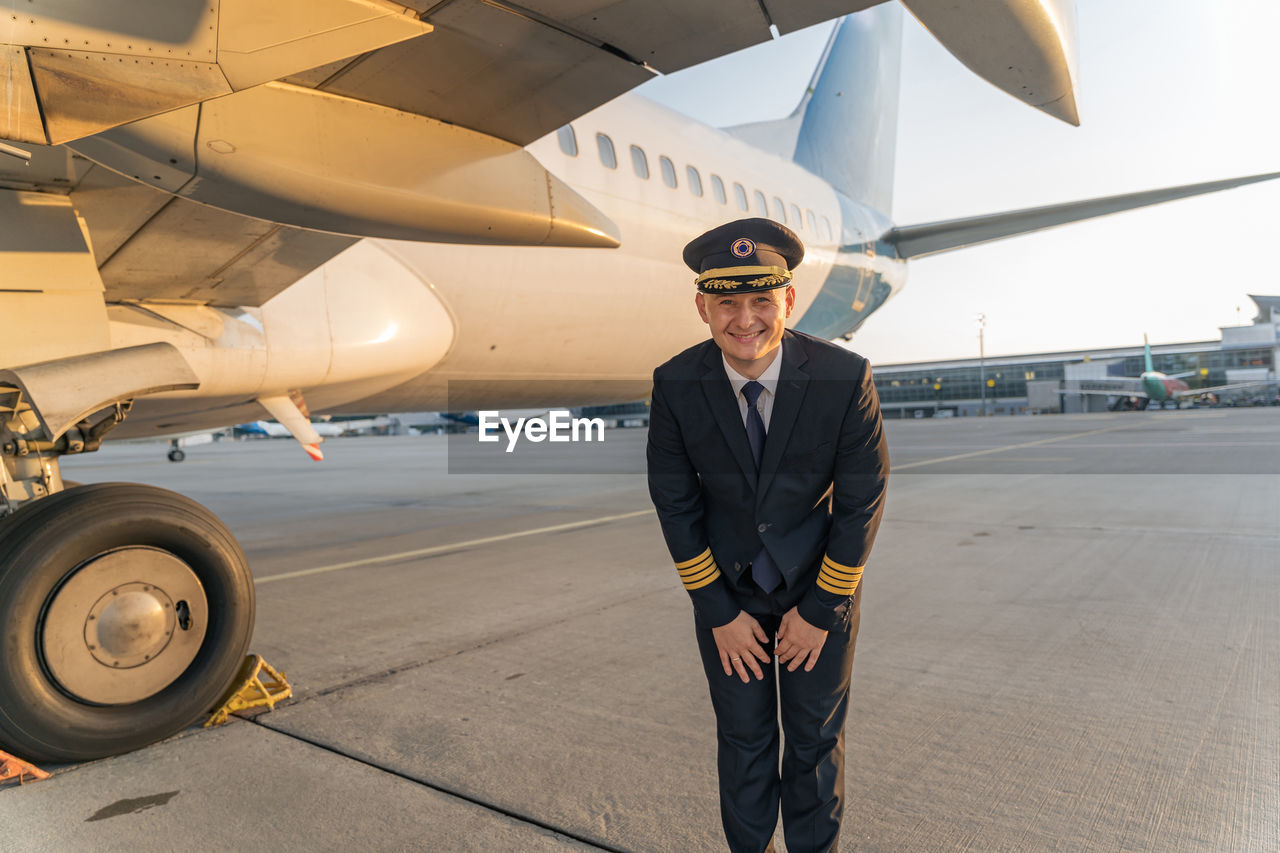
{"type": "Point", "coordinates": [1069, 641]}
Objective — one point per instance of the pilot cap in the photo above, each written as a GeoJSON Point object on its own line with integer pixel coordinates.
{"type": "Point", "coordinates": [744, 256]}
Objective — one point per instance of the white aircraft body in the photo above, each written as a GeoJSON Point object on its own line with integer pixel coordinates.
{"type": "Point", "coordinates": [209, 213]}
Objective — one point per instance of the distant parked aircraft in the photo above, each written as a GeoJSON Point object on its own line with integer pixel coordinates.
{"type": "Point", "coordinates": [1154, 386]}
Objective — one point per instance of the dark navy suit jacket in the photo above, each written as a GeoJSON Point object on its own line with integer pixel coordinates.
{"type": "Point", "coordinates": [815, 503]}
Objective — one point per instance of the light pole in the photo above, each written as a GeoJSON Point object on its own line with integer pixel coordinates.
{"type": "Point", "coordinates": [982, 364]}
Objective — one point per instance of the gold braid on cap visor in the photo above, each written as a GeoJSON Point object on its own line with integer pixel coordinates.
{"type": "Point", "coordinates": [719, 279]}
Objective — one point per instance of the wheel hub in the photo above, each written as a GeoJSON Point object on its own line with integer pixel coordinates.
{"type": "Point", "coordinates": [130, 625]}
{"type": "Point", "coordinates": [124, 626]}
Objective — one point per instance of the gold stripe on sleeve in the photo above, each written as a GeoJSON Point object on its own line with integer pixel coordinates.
{"type": "Point", "coordinates": [698, 559]}
{"type": "Point", "coordinates": [837, 578]}
{"type": "Point", "coordinates": [708, 579]}
{"type": "Point", "coordinates": [702, 575]}
{"type": "Point", "coordinates": [837, 587]}
{"type": "Point", "coordinates": [698, 572]}
{"type": "Point", "coordinates": [839, 575]}
{"type": "Point", "coordinates": [696, 569]}
{"type": "Point", "coordinates": [848, 570]}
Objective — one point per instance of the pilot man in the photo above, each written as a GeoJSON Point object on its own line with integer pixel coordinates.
{"type": "Point", "coordinates": [768, 467]}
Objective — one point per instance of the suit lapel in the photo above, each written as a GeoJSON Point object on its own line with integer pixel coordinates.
{"type": "Point", "coordinates": [793, 383]}
{"type": "Point", "coordinates": [719, 393]}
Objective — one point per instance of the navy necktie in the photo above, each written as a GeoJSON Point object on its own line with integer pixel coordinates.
{"type": "Point", "coordinates": [763, 570]}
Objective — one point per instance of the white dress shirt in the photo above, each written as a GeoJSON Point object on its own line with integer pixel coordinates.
{"type": "Point", "coordinates": [769, 379]}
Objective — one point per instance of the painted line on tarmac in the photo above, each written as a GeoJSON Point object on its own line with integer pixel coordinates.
{"type": "Point", "coordinates": [896, 468]}
{"type": "Point", "coordinates": [453, 546]}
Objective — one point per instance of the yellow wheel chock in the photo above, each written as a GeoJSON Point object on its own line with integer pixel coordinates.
{"type": "Point", "coordinates": [252, 689]}
{"type": "Point", "coordinates": [15, 768]}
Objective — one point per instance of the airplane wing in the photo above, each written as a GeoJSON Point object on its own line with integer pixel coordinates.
{"type": "Point", "coordinates": [931, 238]}
{"type": "Point", "coordinates": [519, 72]}
{"type": "Point", "coordinates": [1234, 386]}
{"type": "Point", "coordinates": [510, 71]}
{"type": "Point", "coordinates": [251, 152]}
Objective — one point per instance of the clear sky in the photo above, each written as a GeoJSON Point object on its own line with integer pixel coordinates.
{"type": "Point", "coordinates": [1169, 91]}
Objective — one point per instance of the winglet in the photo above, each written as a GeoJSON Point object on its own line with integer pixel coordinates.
{"type": "Point", "coordinates": [289, 415]}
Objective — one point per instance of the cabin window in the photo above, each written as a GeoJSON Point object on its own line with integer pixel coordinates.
{"type": "Point", "coordinates": [796, 217]}
{"type": "Point", "coordinates": [826, 228]}
{"type": "Point", "coordinates": [639, 162]}
{"type": "Point", "coordinates": [762, 206]}
{"type": "Point", "coordinates": [668, 171]}
{"type": "Point", "coordinates": [813, 223]}
{"type": "Point", "coordinates": [568, 140]}
{"type": "Point", "coordinates": [607, 155]}
{"type": "Point", "coordinates": [695, 181]}
{"type": "Point", "coordinates": [779, 210]}
{"type": "Point", "coordinates": [717, 189]}
{"type": "Point", "coordinates": [741, 195]}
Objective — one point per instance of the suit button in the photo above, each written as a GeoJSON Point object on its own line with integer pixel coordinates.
{"type": "Point", "coordinates": [762, 528]}
{"type": "Point", "coordinates": [737, 567]}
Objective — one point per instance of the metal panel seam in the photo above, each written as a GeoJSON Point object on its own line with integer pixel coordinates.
{"type": "Point", "coordinates": [35, 90]}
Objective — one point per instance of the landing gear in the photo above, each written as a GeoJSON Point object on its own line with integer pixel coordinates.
{"type": "Point", "coordinates": [176, 453]}
{"type": "Point", "coordinates": [127, 611]}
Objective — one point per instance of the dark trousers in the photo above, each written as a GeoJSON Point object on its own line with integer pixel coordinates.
{"type": "Point", "coordinates": [813, 707]}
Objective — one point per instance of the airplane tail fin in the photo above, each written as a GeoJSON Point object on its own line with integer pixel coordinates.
{"type": "Point", "coordinates": [1146, 354]}
{"type": "Point", "coordinates": [845, 127]}
{"type": "Point", "coordinates": [914, 241]}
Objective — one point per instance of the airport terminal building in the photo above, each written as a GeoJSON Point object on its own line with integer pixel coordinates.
{"type": "Point", "coordinates": [1044, 383]}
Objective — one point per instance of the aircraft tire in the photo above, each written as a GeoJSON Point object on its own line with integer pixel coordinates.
{"type": "Point", "coordinates": [94, 553]}
{"type": "Point", "coordinates": [177, 455]}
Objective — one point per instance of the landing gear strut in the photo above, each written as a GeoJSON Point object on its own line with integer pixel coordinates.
{"type": "Point", "coordinates": [176, 453]}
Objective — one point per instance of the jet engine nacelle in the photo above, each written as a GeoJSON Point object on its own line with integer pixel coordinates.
{"type": "Point", "coordinates": [383, 324]}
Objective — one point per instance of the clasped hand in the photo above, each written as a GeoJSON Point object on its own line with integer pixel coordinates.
{"type": "Point", "coordinates": [742, 643]}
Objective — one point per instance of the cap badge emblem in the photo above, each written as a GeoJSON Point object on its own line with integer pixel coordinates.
{"type": "Point", "coordinates": [742, 247]}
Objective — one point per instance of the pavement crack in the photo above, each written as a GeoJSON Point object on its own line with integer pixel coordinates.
{"type": "Point", "coordinates": [512, 814]}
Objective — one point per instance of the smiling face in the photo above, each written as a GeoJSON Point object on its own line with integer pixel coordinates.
{"type": "Point", "coordinates": [748, 327]}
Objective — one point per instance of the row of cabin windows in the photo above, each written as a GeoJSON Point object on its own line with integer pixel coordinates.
{"type": "Point", "coordinates": [640, 165]}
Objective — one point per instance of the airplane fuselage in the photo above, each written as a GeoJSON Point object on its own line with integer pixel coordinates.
{"type": "Point", "coordinates": [532, 326]}
{"type": "Point", "coordinates": [1160, 387]}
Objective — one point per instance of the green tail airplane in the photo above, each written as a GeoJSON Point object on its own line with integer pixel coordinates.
{"type": "Point", "coordinates": [1154, 386]}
